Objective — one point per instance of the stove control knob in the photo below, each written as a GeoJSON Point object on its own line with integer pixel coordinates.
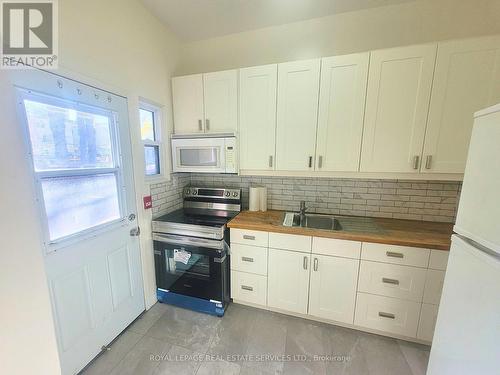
{"type": "Point", "coordinates": [227, 194]}
{"type": "Point", "coordinates": [195, 192]}
{"type": "Point", "coordinates": [188, 191]}
{"type": "Point", "coordinates": [235, 194]}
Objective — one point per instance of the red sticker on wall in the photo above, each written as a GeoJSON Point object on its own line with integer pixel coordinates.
{"type": "Point", "coordinates": [148, 202]}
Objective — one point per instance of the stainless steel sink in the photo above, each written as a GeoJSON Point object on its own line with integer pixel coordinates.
{"type": "Point", "coordinates": [316, 221]}
{"type": "Point", "coordinates": [335, 223]}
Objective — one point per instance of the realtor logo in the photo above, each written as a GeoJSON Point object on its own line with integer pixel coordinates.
{"type": "Point", "coordinates": [29, 31]}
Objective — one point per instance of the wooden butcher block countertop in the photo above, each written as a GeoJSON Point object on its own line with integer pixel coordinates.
{"type": "Point", "coordinates": [423, 234]}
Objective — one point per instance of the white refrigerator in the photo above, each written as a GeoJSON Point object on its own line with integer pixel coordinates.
{"type": "Point", "coordinates": [467, 335]}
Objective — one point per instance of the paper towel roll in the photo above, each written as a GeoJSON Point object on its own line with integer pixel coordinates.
{"type": "Point", "coordinates": [263, 198]}
{"type": "Point", "coordinates": [254, 199]}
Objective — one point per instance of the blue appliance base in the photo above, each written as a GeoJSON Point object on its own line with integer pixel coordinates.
{"type": "Point", "coordinates": [191, 303]}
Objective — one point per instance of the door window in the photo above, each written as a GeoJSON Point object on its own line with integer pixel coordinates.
{"type": "Point", "coordinates": [75, 159]}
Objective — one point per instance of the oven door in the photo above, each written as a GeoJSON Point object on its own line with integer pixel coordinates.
{"type": "Point", "coordinates": [198, 155]}
{"type": "Point", "coordinates": [192, 266]}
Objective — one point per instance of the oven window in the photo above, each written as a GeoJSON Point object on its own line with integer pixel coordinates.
{"type": "Point", "coordinates": [199, 157]}
{"type": "Point", "coordinates": [183, 262]}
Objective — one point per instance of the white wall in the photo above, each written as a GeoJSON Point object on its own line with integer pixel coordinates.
{"type": "Point", "coordinates": [118, 44]}
{"type": "Point", "coordinates": [403, 24]}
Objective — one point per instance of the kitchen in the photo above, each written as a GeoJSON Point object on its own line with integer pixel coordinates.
{"type": "Point", "coordinates": [354, 119]}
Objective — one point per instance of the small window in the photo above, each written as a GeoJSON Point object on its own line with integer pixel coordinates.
{"type": "Point", "coordinates": [151, 139]}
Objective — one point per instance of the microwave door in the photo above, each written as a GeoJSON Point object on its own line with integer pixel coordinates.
{"type": "Point", "coordinates": [198, 155]}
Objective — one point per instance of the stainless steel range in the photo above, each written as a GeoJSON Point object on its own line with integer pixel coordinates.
{"type": "Point", "coordinates": [191, 248]}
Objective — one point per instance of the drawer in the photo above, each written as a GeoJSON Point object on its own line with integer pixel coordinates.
{"type": "Point", "coordinates": [387, 314]}
{"type": "Point", "coordinates": [250, 288]}
{"type": "Point", "coordinates": [290, 242]}
{"type": "Point", "coordinates": [409, 256]}
{"type": "Point", "coordinates": [249, 237]}
{"type": "Point", "coordinates": [438, 259]}
{"type": "Point", "coordinates": [392, 280]}
{"type": "Point", "coordinates": [427, 323]}
{"type": "Point", "coordinates": [433, 286]}
{"type": "Point", "coordinates": [335, 247]}
{"type": "Point", "coordinates": [246, 258]}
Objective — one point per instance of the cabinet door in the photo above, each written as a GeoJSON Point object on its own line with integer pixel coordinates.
{"type": "Point", "coordinates": [332, 292]}
{"type": "Point", "coordinates": [397, 102]}
{"type": "Point", "coordinates": [288, 280]}
{"type": "Point", "coordinates": [297, 114]}
{"type": "Point", "coordinates": [341, 112]}
{"type": "Point", "coordinates": [221, 101]}
{"type": "Point", "coordinates": [187, 96]}
{"type": "Point", "coordinates": [258, 117]}
{"type": "Point", "coordinates": [467, 78]}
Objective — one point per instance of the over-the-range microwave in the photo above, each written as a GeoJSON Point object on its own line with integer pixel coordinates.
{"type": "Point", "coordinates": [205, 153]}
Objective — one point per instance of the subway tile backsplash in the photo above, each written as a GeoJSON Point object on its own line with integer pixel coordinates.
{"type": "Point", "coordinates": [401, 199]}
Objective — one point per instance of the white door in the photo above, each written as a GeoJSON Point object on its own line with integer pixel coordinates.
{"type": "Point", "coordinates": [288, 280]}
{"type": "Point", "coordinates": [221, 101]}
{"type": "Point", "coordinates": [258, 117]}
{"type": "Point", "coordinates": [468, 322]}
{"type": "Point", "coordinates": [341, 112]}
{"type": "Point", "coordinates": [187, 98]}
{"type": "Point", "coordinates": [297, 114]}
{"type": "Point", "coordinates": [466, 79]}
{"type": "Point", "coordinates": [79, 144]}
{"type": "Point", "coordinates": [397, 102]}
{"type": "Point", "coordinates": [332, 292]}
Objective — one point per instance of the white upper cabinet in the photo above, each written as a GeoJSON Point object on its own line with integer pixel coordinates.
{"type": "Point", "coordinates": [297, 114]}
{"type": "Point", "coordinates": [466, 79]}
{"type": "Point", "coordinates": [258, 117]}
{"type": "Point", "coordinates": [206, 103]}
{"type": "Point", "coordinates": [341, 112]}
{"type": "Point", "coordinates": [397, 103]}
{"type": "Point", "coordinates": [187, 97]}
{"type": "Point", "coordinates": [221, 101]}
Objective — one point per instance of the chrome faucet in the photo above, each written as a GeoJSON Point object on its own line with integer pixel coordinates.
{"type": "Point", "coordinates": [302, 213]}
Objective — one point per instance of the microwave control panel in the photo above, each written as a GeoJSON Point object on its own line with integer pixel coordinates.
{"type": "Point", "coordinates": [231, 157]}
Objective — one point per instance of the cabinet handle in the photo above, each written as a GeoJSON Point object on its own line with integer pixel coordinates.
{"type": "Point", "coordinates": [393, 254]}
{"type": "Point", "coordinates": [200, 125]}
{"type": "Point", "coordinates": [244, 287]}
{"type": "Point", "coordinates": [320, 161]}
{"type": "Point", "coordinates": [247, 259]}
{"type": "Point", "coordinates": [270, 160]}
{"type": "Point", "coordinates": [310, 161]}
{"type": "Point", "coordinates": [416, 161]}
{"type": "Point", "coordinates": [428, 161]}
{"type": "Point", "coordinates": [304, 263]}
{"type": "Point", "coordinates": [207, 124]}
{"type": "Point", "coordinates": [247, 237]}
{"type": "Point", "coordinates": [390, 281]}
{"type": "Point", "coordinates": [386, 315]}
{"type": "Point", "coordinates": [315, 267]}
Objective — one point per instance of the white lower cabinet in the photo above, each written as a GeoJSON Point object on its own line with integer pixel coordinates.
{"type": "Point", "coordinates": [247, 287]}
{"type": "Point", "coordinates": [332, 290]}
{"type": "Point", "coordinates": [393, 290]}
{"type": "Point", "coordinates": [427, 322]}
{"type": "Point", "coordinates": [288, 280]}
{"type": "Point", "coordinates": [387, 314]}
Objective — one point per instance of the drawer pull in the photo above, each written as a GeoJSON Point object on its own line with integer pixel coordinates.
{"type": "Point", "coordinates": [386, 315]}
{"type": "Point", "coordinates": [390, 281]}
{"type": "Point", "coordinates": [304, 263]}
{"type": "Point", "coordinates": [244, 287]}
{"type": "Point", "coordinates": [315, 264]}
{"type": "Point", "coordinates": [394, 254]}
{"type": "Point", "coordinates": [247, 237]}
{"type": "Point", "coordinates": [247, 259]}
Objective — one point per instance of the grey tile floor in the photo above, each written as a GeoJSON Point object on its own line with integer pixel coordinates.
{"type": "Point", "coordinates": [247, 341]}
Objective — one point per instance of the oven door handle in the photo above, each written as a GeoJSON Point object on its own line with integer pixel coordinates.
{"type": "Point", "coordinates": [189, 241]}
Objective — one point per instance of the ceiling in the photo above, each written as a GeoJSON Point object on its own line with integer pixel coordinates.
{"type": "Point", "coordinates": [194, 20]}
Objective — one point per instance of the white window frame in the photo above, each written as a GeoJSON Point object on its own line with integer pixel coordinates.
{"type": "Point", "coordinates": [158, 142]}
{"type": "Point", "coordinates": [53, 245]}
